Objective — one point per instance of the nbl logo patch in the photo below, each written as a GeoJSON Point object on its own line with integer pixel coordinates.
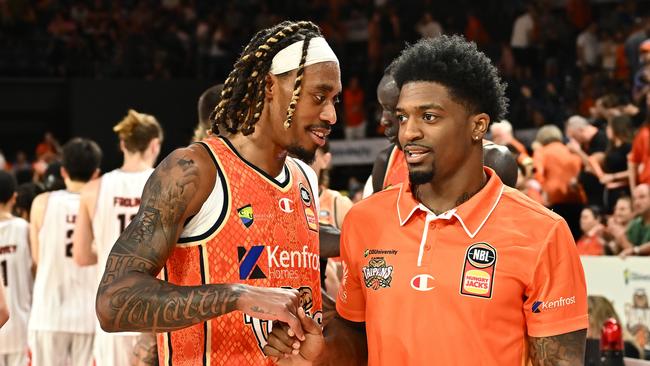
{"type": "Point", "coordinates": [248, 268]}
{"type": "Point", "coordinates": [478, 271]}
{"type": "Point", "coordinates": [304, 195]}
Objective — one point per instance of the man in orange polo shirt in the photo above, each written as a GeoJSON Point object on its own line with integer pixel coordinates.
{"type": "Point", "coordinates": [454, 268]}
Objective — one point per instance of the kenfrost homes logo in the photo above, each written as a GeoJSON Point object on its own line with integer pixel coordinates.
{"type": "Point", "coordinates": [281, 263]}
{"type": "Point", "coordinates": [539, 306]}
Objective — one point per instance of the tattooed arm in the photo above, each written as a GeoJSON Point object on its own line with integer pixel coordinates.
{"type": "Point", "coordinates": [145, 351]}
{"type": "Point", "coordinates": [561, 350]}
{"type": "Point", "coordinates": [130, 298]}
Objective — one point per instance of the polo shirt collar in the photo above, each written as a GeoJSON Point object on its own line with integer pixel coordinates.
{"type": "Point", "coordinates": [472, 214]}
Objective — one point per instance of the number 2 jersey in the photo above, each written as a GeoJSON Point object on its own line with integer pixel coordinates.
{"type": "Point", "coordinates": [16, 275]}
{"type": "Point", "coordinates": [253, 229]}
{"type": "Point", "coordinates": [64, 293]}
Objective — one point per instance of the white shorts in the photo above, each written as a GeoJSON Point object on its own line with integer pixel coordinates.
{"type": "Point", "coordinates": [113, 349]}
{"type": "Point", "coordinates": [14, 359]}
{"type": "Point", "coordinates": [61, 348]}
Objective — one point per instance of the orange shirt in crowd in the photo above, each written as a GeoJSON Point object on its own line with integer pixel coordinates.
{"type": "Point", "coordinates": [640, 154]}
{"type": "Point", "coordinates": [465, 287]}
{"type": "Point", "coordinates": [557, 169]}
{"type": "Point", "coordinates": [353, 107]}
{"type": "Point", "coordinates": [591, 244]}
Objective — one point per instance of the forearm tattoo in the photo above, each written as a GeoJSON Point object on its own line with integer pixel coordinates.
{"type": "Point", "coordinates": [562, 350]}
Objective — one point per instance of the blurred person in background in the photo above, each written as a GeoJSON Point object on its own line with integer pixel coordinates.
{"type": "Point", "coordinates": [591, 242]}
{"type": "Point", "coordinates": [207, 102]}
{"type": "Point", "coordinates": [557, 169]}
{"type": "Point", "coordinates": [635, 238]}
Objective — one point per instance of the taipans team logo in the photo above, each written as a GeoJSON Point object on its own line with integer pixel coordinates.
{"type": "Point", "coordinates": [422, 282]}
{"type": "Point", "coordinates": [377, 274]}
{"type": "Point", "coordinates": [286, 205]}
{"type": "Point", "coordinates": [305, 196]}
{"type": "Point", "coordinates": [478, 271]}
{"type": "Point", "coordinates": [312, 220]}
{"type": "Point", "coordinates": [246, 215]}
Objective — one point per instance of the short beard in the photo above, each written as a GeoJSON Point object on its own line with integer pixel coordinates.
{"type": "Point", "coordinates": [419, 178]}
{"type": "Point", "coordinates": [302, 154]}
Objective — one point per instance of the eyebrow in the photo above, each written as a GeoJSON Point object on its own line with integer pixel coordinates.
{"type": "Point", "coordinates": [424, 107]}
{"type": "Point", "coordinates": [325, 87]}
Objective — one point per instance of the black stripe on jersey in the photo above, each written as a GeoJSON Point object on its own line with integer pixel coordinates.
{"type": "Point", "coordinates": [304, 173]}
{"type": "Point", "coordinates": [205, 323]}
{"type": "Point", "coordinates": [226, 202]}
{"type": "Point", "coordinates": [263, 173]}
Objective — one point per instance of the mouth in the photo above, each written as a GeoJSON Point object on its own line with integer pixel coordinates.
{"type": "Point", "coordinates": [416, 154]}
{"type": "Point", "coordinates": [319, 134]}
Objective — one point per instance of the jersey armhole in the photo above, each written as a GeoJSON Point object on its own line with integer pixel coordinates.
{"type": "Point", "coordinates": [226, 201]}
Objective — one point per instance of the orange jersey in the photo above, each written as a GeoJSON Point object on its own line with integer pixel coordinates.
{"type": "Point", "coordinates": [267, 236]}
{"type": "Point", "coordinates": [327, 213]}
{"type": "Point", "coordinates": [464, 287]}
{"type": "Point", "coordinates": [396, 171]}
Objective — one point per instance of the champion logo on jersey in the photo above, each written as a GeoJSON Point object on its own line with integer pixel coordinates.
{"type": "Point", "coordinates": [246, 215]}
{"type": "Point", "coordinates": [422, 282]}
{"type": "Point", "coordinates": [286, 205]}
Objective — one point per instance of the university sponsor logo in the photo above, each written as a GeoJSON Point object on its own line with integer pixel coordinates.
{"type": "Point", "coordinates": [477, 277]}
{"type": "Point", "coordinates": [422, 282]}
{"type": "Point", "coordinates": [377, 274]}
{"type": "Point", "coordinates": [246, 215]}
{"type": "Point", "coordinates": [630, 276]}
{"type": "Point", "coordinates": [281, 263]}
{"type": "Point", "coordinates": [305, 196]}
{"type": "Point", "coordinates": [539, 306]}
{"type": "Point", "coordinates": [368, 252]}
{"type": "Point", "coordinates": [286, 205]}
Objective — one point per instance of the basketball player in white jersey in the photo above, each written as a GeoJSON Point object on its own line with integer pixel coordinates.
{"type": "Point", "coordinates": [15, 277]}
{"type": "Point", "coordinates": [62, 321]}
{"type": "Point", "coordinates": [107, 206]}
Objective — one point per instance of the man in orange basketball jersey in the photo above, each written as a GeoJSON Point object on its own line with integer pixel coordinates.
{"type": "Point", "coordinates": [452, 267]}
{"type": "Point", "coordinates": [230, 224]}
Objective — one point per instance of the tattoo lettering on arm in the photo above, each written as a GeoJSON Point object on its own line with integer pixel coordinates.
{"type": "Point", "coordinates": [561, 350]}
{"type": "Point", "coordinates": [129, 297]}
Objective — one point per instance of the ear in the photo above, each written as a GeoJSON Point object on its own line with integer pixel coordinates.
{"type": "Point", "coordinates": [95, 174]}
{"type": "Point", "coordinates": [122, 146]}
{"type": "Point", "coordinates": [269, 89]}
{"type": "Point", "coordinates": [480, 125]}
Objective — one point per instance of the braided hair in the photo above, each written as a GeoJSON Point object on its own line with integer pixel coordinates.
{"type": "Point", "coordinates": [242, 98]}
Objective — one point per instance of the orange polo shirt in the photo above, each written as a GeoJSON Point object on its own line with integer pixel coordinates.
{"type": "Point", "coordinates": [640, 154]}
{"type": "Point", "coordinates": [462, 288]}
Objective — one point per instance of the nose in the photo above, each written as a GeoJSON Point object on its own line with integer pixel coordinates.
{"type": "Point", "coordinates": [328, 114]}
{"type": "Point", "coordinates": [409, 131]}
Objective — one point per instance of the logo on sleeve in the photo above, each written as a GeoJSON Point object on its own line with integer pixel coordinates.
{"type": "Point", "coordinates": [478, 271]}
{"type": "Point", "coordinates": [377, 274]}
{"type": "Point", "coordinates": [246, 215]}
{"type": "Point", "coordinates": [539, 306]}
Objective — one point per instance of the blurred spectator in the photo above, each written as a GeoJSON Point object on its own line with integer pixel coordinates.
{"type": "Point", "coordinates": [587, 48]}
{"type": "Point", "coordinates": [52, 179]}
{"type": "Point", "coordinates": [502, 134]}
{"type": "Point", "coordinates": [639, 158]}
{"type": "Point", "coordinates": [428, 27]}
{"type": "Point", "coordinates": [522, 42]}
{"type": "Point", "coordinates": [25, 194]}
{"type": "Point", "coordinates": [641, 84]}
{"type": "Point", "coordinates": [587, 142]}
{"type": "Point", "coordinates": [635, 239]}
{"type": "Point", "coordinates": [591, 242]}
{"type": "Point", "coordinates": [611, 168]}
{"type": "Point", "coordinates": [21, 162]}
{"type": "Point", "coordinates": [556, 169]}
{"type": "Point", "coordinates": [48, 149]}
{"type": "Point", "coordinates": [617, 223]}
{"type": "Point", "coordinates": [354, 110]}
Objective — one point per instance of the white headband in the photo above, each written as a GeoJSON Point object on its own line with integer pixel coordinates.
{"type": "Point", "coordinates": [289, 58]}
